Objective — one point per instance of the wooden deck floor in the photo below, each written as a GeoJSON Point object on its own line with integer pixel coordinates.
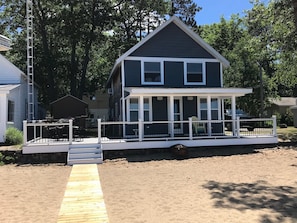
{"type": "Point", "coordinates": [83, 199]}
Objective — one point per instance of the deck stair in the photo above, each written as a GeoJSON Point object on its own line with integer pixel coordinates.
{"type": "Point", "coordinates": [85, 154]}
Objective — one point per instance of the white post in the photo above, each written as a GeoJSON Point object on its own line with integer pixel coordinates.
{"type": "Point", "coordinates": [70, 131]}
{"type": "Point", "coordinates": [99, 130]}
{"type": "Point", "coordinates": [34, 128]}
{"type": "Point", "coordinates": [190, 128]}
{"type": "Point", "coordinates": [40, 128]}
{"type": "Point", "coordinates": [25, 131]}
{"type": "Point", "coordinates": [171, 115]}
{"type": "Point", "coordinates": [274, 133]}
{"type": "Point", "coordinates": [238, 127]}
{"type": "Point", "coordinates": [233, 109]}
{"type": "Point", "coordinates": [209, 115]}
{"type": "Point", "coordinates": [140, 130]}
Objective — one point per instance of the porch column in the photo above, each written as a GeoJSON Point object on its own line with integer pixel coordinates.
{"type": "Point", "coordinates": [140, 118]}
{"type": "Point", "coordinates": [233, 109]}
{"type": "Point", "coordinates": [171, 115]}
{"type": "Point", "coordinates": [209, 115]}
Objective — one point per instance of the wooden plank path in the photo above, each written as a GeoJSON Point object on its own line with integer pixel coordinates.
{"type": "Point", "coordinates": [83, 199]}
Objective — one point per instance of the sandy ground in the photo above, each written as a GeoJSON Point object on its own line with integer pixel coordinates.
{"type": "Point", "coordinates": [213, 185]}
{"type": "Point", "coordinates": [32, 193]}
{"type": "Point", "coordinates": [259, 186]}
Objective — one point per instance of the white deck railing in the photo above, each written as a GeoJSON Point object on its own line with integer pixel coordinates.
{"type": "Point", "coordinates": [40, 132]}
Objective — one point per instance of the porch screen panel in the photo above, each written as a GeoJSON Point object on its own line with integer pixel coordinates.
{"type": "Point", "coordinates": [133, 106]}
{"type": "Point", "coordinates": [214, 109]}
{"type": "Point", "coordinates": [146, 109]}
{"type": "Point", "coordinates": [203, 108]}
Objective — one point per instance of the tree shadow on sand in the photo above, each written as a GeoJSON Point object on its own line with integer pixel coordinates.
{"type": "Point", "coordinates": [281, 200]}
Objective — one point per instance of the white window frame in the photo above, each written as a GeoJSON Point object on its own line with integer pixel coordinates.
{"type": "Point", "coordinates": [129, 110]}
{"type": "Point", "coordinates": [203, 82]}
{"type": "Point", "coordinates": [149, 110]}
{"type": "Point", "coordinates": [161, 62]}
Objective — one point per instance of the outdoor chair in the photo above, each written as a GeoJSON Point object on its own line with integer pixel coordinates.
{"type": "Point", "coordinates": [198, 127]}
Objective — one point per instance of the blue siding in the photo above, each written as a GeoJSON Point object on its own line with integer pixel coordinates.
{"type": "Point", "coordinates": [132, 73]}
{"type": "Point", "coordinates": [174, 74]}
{"type": "Point", "coordinates": [171, 42]}
{"type": "Point", "coordinates": [213, 77]}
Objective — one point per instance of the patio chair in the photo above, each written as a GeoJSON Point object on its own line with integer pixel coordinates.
{"type": "Point", "coordinates": [198, 127]}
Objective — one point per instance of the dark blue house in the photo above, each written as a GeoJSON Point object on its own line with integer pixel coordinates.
{"type": "Point", "coordinates": [170, 76]}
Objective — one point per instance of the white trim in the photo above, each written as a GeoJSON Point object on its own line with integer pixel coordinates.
{"type": "Point", "coordinates": [172, 59]}
{"type": "Point", "coordinates": [141, 109]}
{"type": "Point", "coordinates": [203, 82]}
{"type": "Point", "coordinates": [165, 92]}
{"type": "Point", "coordinates": [148, 60]}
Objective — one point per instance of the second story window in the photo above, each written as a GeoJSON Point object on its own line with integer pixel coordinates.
{"type": "Point", "coordinates": [194, 74]}
{"type": "Point", "coordinates": [152, 73]}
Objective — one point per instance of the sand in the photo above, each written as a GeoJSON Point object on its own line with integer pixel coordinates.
{"type": "Point", "coordinates": [32, 193]}
{"type": "Point", "coordinates": [260, 186]}
{"type": "Point", "coordinates": [213, 185]}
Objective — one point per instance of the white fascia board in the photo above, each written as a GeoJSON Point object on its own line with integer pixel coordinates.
{"type": "Point", "coordinates": [222, 92]}
{"type": "Point", "coordinates": [5, 89]}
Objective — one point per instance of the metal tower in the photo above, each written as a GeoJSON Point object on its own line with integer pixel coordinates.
{"type": "Point", "coordinates": [30, 73]}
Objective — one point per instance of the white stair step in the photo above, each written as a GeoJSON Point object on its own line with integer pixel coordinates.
{"type": "Point", "coordinates": [85, 150]}
{"type": "Point", "coordinates": [85, 155]}
{"type": "Point", "coordinates": [85, 161]}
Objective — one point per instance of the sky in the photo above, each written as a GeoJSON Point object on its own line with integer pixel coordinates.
{"type": "Point", "coordinates": [213, 10]}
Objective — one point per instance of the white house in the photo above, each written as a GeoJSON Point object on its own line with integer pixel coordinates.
{"type": "Point", "coordinates": [13, 93]}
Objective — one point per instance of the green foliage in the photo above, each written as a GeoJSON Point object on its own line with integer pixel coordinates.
{"type": "Point", "coordinates": [287, 118]}
{"type": "Point", "coordinates": [262, 43]}
{"type": "Point", "coordinates": [13, 136]}
{"type": "Point", "coordinates": [77, 42]}
{"type": "Point", "coordinates": [6, 159]}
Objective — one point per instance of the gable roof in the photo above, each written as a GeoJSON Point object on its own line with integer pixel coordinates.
{"type": "Point", "coordinates": [8, 68]}
{"type": "Point", "coordinates": [68, 96]}
{"type": "Point", "coordinates": [284, 101]}
{"type": "Point", "coordinates": [185, 29]}
{"type": "Point", "coordinates": [5, 43]}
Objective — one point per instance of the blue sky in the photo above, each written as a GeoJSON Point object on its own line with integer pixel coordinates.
{"type": "Point", "coordinates": [213, 10]}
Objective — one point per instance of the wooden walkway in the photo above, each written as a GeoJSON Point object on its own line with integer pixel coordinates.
{"type": "Point", "coordinates": [83, 199]}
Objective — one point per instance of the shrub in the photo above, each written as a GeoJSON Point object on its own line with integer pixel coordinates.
{"type": "Point", "coordinates": [13, 136]}
{"type": "Point", "coordinates": [287, 118]}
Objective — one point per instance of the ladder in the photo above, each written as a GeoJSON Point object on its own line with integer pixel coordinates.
{"type": "Point", "coordinates": [30, 73]}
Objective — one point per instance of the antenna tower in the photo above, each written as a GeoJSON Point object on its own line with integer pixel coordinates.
{"type": "Point", "coordinates": [30, 73]}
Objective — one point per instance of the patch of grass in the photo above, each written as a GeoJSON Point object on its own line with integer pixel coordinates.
{"type": "Point", "coordinates": [289, 133]}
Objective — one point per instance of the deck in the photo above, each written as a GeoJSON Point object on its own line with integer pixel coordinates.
{"type": "Point", "coordinates": [83, 199]}
{"type": "Point", "coordinates": [41, 143]}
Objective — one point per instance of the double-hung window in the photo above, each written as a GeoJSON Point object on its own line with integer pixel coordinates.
{"type": "Point", "coordinates": [194, 73]}
{"type": "Point", "coordinates": [134, 109]}
{"type": "Point", "coordinates": [152, 72]}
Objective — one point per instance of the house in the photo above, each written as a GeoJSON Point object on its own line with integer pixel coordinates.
{"type": "Point", "coordinates": [13, 93]}
{"type": "Point", "coordinates": [98, 107]}
{"type": "Point", "coordinates": [281, 105]}
{"type": "Point", "coordinates": [166, 90]}
{"type": "Point", "coordinates": [171, 75]}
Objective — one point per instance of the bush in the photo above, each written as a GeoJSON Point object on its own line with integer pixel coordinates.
{"type": "Point", "coordinates": [287, 118]}
{"type": "Point", "coordinates": [13, 136]}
